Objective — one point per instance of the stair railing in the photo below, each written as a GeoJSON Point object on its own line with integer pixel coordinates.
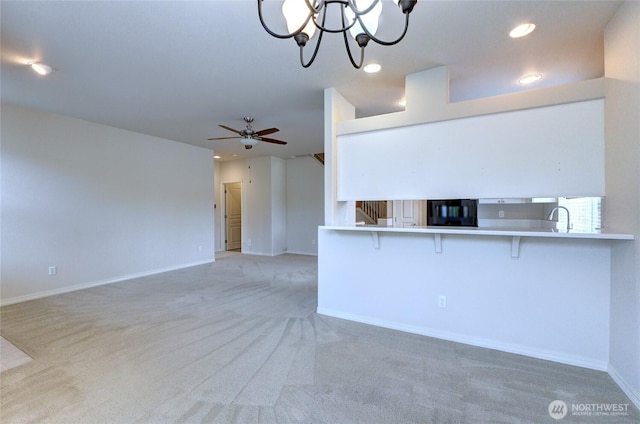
{"type": "Point", "coordinates": [376, 209]}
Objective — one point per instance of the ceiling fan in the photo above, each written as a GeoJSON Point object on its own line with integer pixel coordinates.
{"type": "Point", "coordinates": [250, 137]}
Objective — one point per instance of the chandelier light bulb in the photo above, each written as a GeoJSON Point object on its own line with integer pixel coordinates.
{"type": "Point", "coordinates": [296, 12]}
{"type": "Point", "coordinates": [369, 19]}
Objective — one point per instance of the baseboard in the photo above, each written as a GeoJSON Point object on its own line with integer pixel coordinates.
{"type": "Point", "coordinates": [297, 252]}
{"type": "Point", "coordinates": [473, 341]}
{"type": "Point", "coordinates": [284, 252]}
{"type": "Point", "coordinates": [247, 252]}
{"type": "Point", "coordinates": [633, 394]}
{"type": "Point", "coordinates": [61, 290]}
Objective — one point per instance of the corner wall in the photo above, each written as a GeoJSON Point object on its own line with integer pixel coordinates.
{"type": "Point", "coordinates": [336, 109]}
{"type": "Point", "coordinates": [305, 202]}
{"type": "Point", "coordinates": [622, 203]}
{"type": "Point", "coordinates": [278, 206]}
{"type": "Point", "coordinates": [100, 203]}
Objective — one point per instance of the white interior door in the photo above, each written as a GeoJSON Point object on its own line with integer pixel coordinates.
{"type": "Point", "coordinates": [407, 213]}
{"type": "Point", "coordinates": [233, 215]}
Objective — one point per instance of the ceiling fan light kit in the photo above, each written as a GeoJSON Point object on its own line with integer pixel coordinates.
{"type": "Point", "coordinates": [248, 143]}
{"type": "Point", "coordinates": [359, 17]}
{"type": "Point", "coordinates": [250, 137]}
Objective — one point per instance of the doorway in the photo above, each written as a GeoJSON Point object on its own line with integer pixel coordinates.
{"type": "Point", "coordinates": [407, 213]}
{"type": "Point", "coordinates": [233, 216]}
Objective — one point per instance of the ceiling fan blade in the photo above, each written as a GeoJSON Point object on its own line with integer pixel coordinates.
{"type": "Point", "coordinates": [222, 138]}
{"type": "Point", "coordinates": [272, 140]}
{"type": "Point", "coordinates": [267, 131]}
{"type": "Point", "coordinates": [230, 129]}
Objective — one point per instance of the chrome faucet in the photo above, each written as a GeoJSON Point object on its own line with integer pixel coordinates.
{"type": "Point", "coordinates": [550, 217]}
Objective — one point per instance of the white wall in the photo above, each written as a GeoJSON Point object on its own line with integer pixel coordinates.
{"type": "Point", "coordinates": [336, 109]}
{"type": "Point", "coordinates": [278, 206]}
{"type": "Point", "coordinates": [622, 204]}
{"type": "Point", "coordinates": [540, 152]}
{"type": "Point", "coordinates": [256, 208]}
{"type": "Point", "coordinates": [428, 101]}
{"type": "Point", "coordinates": [100, 203]}
{"type": "Point", "coordinates": [305, 204]}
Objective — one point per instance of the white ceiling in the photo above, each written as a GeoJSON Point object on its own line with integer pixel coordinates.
{"type": "Point", "coordinates": [178, 69]}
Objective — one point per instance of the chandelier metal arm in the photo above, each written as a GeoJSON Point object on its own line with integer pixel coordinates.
{"type": "Point", "coordinates": [323, 5]}
{"type": "Point", "coordinates": [318, 7]}
{"type": "Point", "coordinates": [353, 62]}
{"type": "Point", "coordinates": [283, 36]}
{"type": "Point", "coordinates": [382, 42]}
{"type": "Point", "coordinates": [313, 56]}
{"type": "Point", "coordinates": [348, 48]}
{"type": "Point", "coordinates": [352, 5]}
{"type": "Point", "coordinates": [315, 50]}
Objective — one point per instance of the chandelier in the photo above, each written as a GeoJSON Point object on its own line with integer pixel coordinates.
{"type": "Point", "coordinates": [359, 17]}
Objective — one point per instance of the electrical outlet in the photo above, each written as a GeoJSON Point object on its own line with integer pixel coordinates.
{"type": "Point", "coordinates": [249, 242]}
{"type": "Point", "coordinates": [500, 214]}
{"type": "Point", "coordinates": [313, 242]}
{"type": "Point", "coordinates": [53, 270]}
{"type": "Point", "coordinates": [200, 248]}
{"type": "Point", "coordinates": [442, 301]}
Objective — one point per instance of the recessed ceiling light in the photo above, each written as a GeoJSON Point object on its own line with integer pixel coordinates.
{"type": "Point", "coordinates": [522, 30]}
{"type": "Point", "coordinates": [529, 79]}
{"type": "Point", "coordinates": [372, 68]}
{"type": "Point", "coordinates": [402, 102]}
{"type": "Point", "coordinates": [40, 68]}
{"type": "Point", "coordinates": [217, 156]}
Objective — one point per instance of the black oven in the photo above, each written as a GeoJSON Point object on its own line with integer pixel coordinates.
{"type": "Point", "coordinates": [453, 212]}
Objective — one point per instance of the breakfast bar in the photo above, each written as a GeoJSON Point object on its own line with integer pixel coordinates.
{"type": "Point", "coordinates": [518, 290]}
{"type": "Point", "coordinates": [514, 233]}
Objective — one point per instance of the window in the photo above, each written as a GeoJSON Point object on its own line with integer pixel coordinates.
{"type": "Point", "coordinates": [585, 213]}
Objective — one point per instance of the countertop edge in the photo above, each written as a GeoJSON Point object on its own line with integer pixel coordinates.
{"type": "Point", "coordinates": [534, 232]}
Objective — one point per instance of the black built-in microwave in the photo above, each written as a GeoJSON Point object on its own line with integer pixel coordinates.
{"type": "Point", "coordinates": [453, 212]}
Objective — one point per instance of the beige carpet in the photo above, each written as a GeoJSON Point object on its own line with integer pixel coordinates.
{"type": "Point", "coordinates": [238, 341]}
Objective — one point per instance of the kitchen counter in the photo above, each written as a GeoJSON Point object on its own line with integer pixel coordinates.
{"type": "Point", "coordinates": [530, 291]}
{"type": "Point", "coordinates": [515, 233]}
{"type": "Point", "coordinates": [489, 231]}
